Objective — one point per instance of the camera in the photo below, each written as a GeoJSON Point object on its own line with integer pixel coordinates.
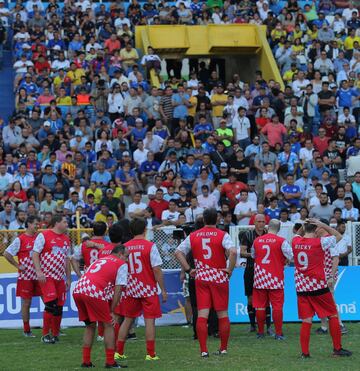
{"type": "Point", "coordinates": [183, 231]}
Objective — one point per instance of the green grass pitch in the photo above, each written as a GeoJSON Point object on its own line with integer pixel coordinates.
{"type": "Point", "coordinates": [178, 351]}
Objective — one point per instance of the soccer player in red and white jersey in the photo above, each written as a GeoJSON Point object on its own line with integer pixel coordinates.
{"type": "Point", "coordinates": [101, 284]}
{"type": "Point", "coordinates": [27, 285]}
{"type": "Point", "coordinates": [51, 257]}
{"type": "Point", "coordinates": [141, 295]}
{"type": "Point", "coordinates": [313, 294]}
{"type": "Point", "coordinates": [210, 247]}
{"type": "Point", "coordinates": [271, 252]}
{"type": "Point", "coordinates": [90, 251]}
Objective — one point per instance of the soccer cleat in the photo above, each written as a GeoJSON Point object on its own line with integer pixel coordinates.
{"type": "Point", "coordinates": [220, 353]}
{"type": "Point", "coordinates": [29, 334]}
{"type": "Point", "coordinates": [344, 330]}
{"type": "Point", "coordinates": [62, 333]}
{"type": "Point", "coordinates": [114, 365]}
{"type": "Point", "coordinates": [279, 337]}
{"type": "Point", "coordinates": [149, 358]}
{"type": "Point", "coordinates": [100, 338]}
{"type": "Point", "coordinates": [305, 356]}
{"type": "Point", "coordinates": [204, 354]}
{"type": "Point", "coordinates": [87, 365]}
{"type": "Point", "coordinates": [120, 357]}
{"type": "Point", "coordinates": [260, 336]}
{"type": "Point", "coordinates": [47, 339]}
{"type": "Point", "coordinates": [270, 332]}
{"type": "Point", "coordinates": [342, 353]}
{"type": "Point", "coordinates": [132, 337]}
{"type": "Point", "coordinates": [252, 328]}
{"type": "Point", "coordinates": [56, 339]}
{"type": "Point", "coordinates": [321, 331]}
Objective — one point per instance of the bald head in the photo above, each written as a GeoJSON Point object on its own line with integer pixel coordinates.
{"type": "Point", "coordinates": [274, 226]}
{"type": "Point", "coordinates": [259, 222]}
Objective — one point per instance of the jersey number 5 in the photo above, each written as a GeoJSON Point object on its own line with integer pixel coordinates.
{"type": "Point", "coordinates": [206, 248]}
{"type": "Point", "coordinates": [135, 262]}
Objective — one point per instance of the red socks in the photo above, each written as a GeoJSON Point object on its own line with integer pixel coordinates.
{"type": "Point", "coordinates": [305, 337]}
{"type": "Point", "coordinates": [55, 325]}
{"type": "Point", "coordinates": [335, 332]}
{"type": "Point", "coordinates": [47, 321]}
{"type": "Point", "coordinates": [86, 353]}
{"type": "Point", "coordinates": [150, 348]}
{"type": "Point", "coordinates": [109, 353]}
{"type": "Point", "coordinates": [260, 319]}
{"type": "Point", "coordinates": [100, 329]}
{"type": "Point", "coordinates": [202, 333]}
{"type": "Point", "coordinates": [26, 326]}
{"type": "Point", "coordinates": [120, 346]}
{"type": "Point", "coordinates": [224, 332]}
{"type": "Point", "coordinates": [278, 321]}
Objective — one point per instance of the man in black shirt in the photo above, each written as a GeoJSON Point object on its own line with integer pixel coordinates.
{"type": "Point", "coordinates": [240, 166]}
{"type": "Point", "coordinates": [246, 242]}
{"type": "Point", "coordinates": [326, 98]}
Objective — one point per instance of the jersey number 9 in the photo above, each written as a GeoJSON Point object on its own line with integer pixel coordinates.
{"type": "Point", "coordinates": [303, 260]}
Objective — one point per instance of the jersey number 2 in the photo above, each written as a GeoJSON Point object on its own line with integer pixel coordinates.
{"type": "Point", "coordinates": [266, 259]}
{"type": "Point", "coordinates": [135, 262]}
{"type": "Point", "coordinates": [206, 248]}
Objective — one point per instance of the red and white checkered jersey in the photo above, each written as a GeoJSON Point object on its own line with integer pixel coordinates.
{"type": "Point", "coordinates": [208, 246]}
{"type": "Point", "coordinates": [107, 249]}
{"type": "Point", "coordinates": [101, 277]}
{"type": "Point", "coordinates": [270, 253]}
{"type": "Point", "coordinates": [143, 257]}
{"type": "Point", "coordinates": [309, 259]}
{"type": "Point", "coordinates": [90, 254]}
{"type": "Point", "coordinates": [22, 247]}
{"type": "Point", "coordinates": [54, 249]}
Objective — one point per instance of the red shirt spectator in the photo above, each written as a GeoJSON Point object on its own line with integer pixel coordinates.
{"type": "Point", "coordinates": [321, 141]}
{"type": "Point", "coordinates": [231, 189]}
{"type": "Point", "coordinates": [275, 131]}
{"type": "Point", "coordinates": [112, 44]}
{"type": "Point", "coordinates": [42, 64]}
{"type": "Point", "coordinates": [158, 204]}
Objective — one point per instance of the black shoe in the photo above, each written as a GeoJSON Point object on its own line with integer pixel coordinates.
{"type": "Point", "coordinates": [321, 331]}
{"type": "Point", "coordinates": [305, 356]}
{"type": "Point", "coordinates": [252, 328]}
{"type": "Point", "coordinates": [56, 339]}
{"type": "Point", "coordinates": [342, 353]}
{"type": "Point", "coordinates": [260, 336]}
{"type": "Point", "coordinates": [220, 353]}
{"type": "Point", "coordinates": [47, 339]}
{"type": "Point", "coordinates": [270, 332]}
{"type": "Point", "coordinates": [115, 365]}
{"type": "Point", "coordinates": [87, 365]}
{"type": "Point", "coordinates": [279, 337]}
{"type": "Point", "coordinates": [204, 354]}
{"type": "Point", "coordinates": [216, 335]}
{"type": "Point", "coordinates": [132, 336]}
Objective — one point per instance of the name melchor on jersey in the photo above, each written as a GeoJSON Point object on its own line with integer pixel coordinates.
{"type": "Point", "coordinates": [270, 253]}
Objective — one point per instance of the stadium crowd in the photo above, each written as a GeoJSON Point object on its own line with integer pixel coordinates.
{"type": "Point", "coordinates": [88, 127]}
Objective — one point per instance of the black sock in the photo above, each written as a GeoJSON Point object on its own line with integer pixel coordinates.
{"type": "Point", "coordinates": [268, 317]}
{"type": "Point", "coordinates": [251, 314]}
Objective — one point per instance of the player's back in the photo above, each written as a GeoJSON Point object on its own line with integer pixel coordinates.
{"type": "Point", "coordinates": [99, 279]}
{"type": "Point", "coordinates": [309, 260]}
{"type": "Point", "coordinates": [90, 254]}
{"type": "Point", "coordinates": [207, 246]}
{"type": "Point", "coordinates": [269, 251]}
{"type": "Point", "coordinates": [141, 280]}
{"type": "Point", "coordinates": [24, 256]}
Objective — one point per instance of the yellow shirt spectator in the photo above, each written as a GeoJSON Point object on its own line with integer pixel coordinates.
{"type": "Point", "coordinates": [97, 195]}
{"type": "Point", "coordinates": [76, 75]}
{"type": "Point", "coordinates": [289, 74]}
{"type": "Point", "coordinates": [277, 34]}
{"type": "Point", "coordinates": [218, 102]}
{"type": "Point", "coordinates": [298, 48]}
{"type": "Point", "coordinates": [100, 217]}
{"type": "Point", "coordinates": [192, 110]}
{"type": "Point", "coordinates": [313, 35]}
{"type": "Point", "coordinates": [349, 42]}
{"type": "Point", "coordinates": [126, 54]}
{"type": "Point", "coordinates": [63, 101]}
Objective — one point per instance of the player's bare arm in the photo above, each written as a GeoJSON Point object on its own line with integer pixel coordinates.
{"type": "Point", "coordinates": [75, 266]}
{"type": "Point", "coordinates": [160, 280]}
{"type": "Point", "coordinates": [12, 261]}
{"type": "Point", "coordinates": [68, 273]}
{"type": "Point", "coordinates": [231, 255]}
{"type": "Point", "coordinates": [117, 294]}
{"type": "Point", "coordinates": [39, 273]}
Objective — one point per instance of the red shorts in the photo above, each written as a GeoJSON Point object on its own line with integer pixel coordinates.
{"type": "Point", "coordinates": [322, 305]}
{"type": "Point", "coordinates": [119, 309]}
{"type": "Point", "coordinates": [26, 289]}
{"type": "Point", "coordinates": [53, 290]}
{"type": "Point", "coordinates": [263, 297]}
{"type": "Point", "coordinates": [92, 309]}
{"type": "Point", "coordinates": [134, 307]}
{"type": "Point", "coordinates": [212, 295]}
